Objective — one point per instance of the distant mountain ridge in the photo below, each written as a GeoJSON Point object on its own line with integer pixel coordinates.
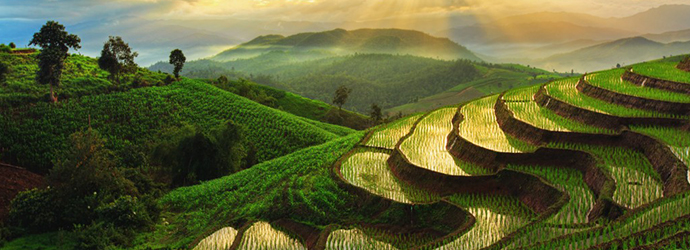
{"type": "Point", "coordinates": [559, 27]}
{"type": "Point", "coordinates": [607, 55]}
{"type": "Point", "coordinates": [340, 41]}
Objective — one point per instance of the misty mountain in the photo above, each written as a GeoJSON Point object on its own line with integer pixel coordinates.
{"type": "Point", "coordinates": [607, 55]}
{"type": "Point", "coordinates": [532, 33]}
{"type": "Point", "coordinates": [340, 42]}
{"type": "Point", "coordinates": [546, 28]}
{"type": "Point", "coordinates": [668, 37]}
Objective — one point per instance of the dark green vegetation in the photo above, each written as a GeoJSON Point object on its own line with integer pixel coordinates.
{"type": "Point", "coordinates": [387, 80]}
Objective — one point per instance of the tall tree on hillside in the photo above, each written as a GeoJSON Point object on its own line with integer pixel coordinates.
{"type": "Point", "coordinates": [55, 43]}
{"type": "Point", "coordinates": [375, 113]}
{"type": "Point", "coordinates": [177, 59]}
{"type": "Point", "coordinates": [340, 96]}
{"type": "Point", "coordinates": [117, 58]}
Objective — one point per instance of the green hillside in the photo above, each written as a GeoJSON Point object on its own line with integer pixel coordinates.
{"type": "Point", "coordinates": [313, 110]}
{"type": "Point", "coordinates": [81, 76]}
{"type": "Point", "coordinates": [387, 80]}
{"type": "Point", "coordinates": [576, 163]}
{"type": "Point", "coordinates": [137, 117]}
{"type": "Point", "coordinates": [340, 41]}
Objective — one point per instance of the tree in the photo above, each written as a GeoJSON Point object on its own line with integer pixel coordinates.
{"type": "Point", "coordinates": [194, 155]}
{"type": "Point", "coordinates": [117, 58]}
{"type": "Point", "coordinates": [375, 113]}
{"type": "Point", "coordinates": [177, 59]}
{"type": "Point", "coordinates": [3, 72]}
{"type": "Point", "coordinates": [12, 45]}
{"type": "Point", "coordinates": [55, 43]}
{"type": "Point", "coordinates": [340, 96]}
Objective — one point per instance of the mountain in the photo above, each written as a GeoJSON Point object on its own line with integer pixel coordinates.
{"type": "Point", "coordinates": [669, 37]}
{"type": "Point", "coordinates": [607, 55]}
{"type": "Point", "coordinates": [664, 18]}
{"type": "Point", "coordinates": [384, 79]}
{"type": "Point", "coordinates": [340, 41]}
{"type": "Point", "coordinates": [539, 32]}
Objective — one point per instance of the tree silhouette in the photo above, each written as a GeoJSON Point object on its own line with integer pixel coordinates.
{"type": "Point", "coordinates": [55, 43]}
{"type": "Point", "coordinates": [117, 58]}
{"type": "Point", "coordinates": [177, 59]}
{"type": "Point", "coordinates": [375, 113]}
{"type": "Point", "coordinates": [340, 96]}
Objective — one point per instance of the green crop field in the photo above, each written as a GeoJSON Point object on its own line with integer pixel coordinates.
{"type": "Point", "coordinates": [479, 127]}
{"type": "Point", "coordinates": [426, 145]}
{"type": "Point", "coordinates": [611, 80]}
{"type": "Point", "coordinates": [147, 158]}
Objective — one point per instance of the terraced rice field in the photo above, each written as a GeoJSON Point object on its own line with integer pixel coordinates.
{"type": "Point", "coordinates": [570, 181]}
{"type": "Point", "coordinates": [522, 104]}
{"type": "Point", "coordinates": [354, 239]}
{"type": "Point", "coordinates": [426, 146]}
{"type": "Point", "coordinates": [369, 170]}
{"type": "Point", "coordinates": [221, 239]}
{"type": "Point", "coordinates": [480, 128]}
{"type": "Point", "coordinates": [662, 70]}
{"type": "Point", "coordinates": [565, 90]}
{"type": "Point", "coordinates": [566, 213]}
{"type": "Point", "coordinates": [388, 136]}
{"type": "Point", "coordinates": [495, 218]}
{"type": "Point", "coordinates": [261, 235]}
{"type": "Point", "coordinates": [612, 80]}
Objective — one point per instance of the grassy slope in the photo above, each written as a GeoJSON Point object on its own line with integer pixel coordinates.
{"type": "Point", "coordinates": [133, 117]}
{"type": "Point", "coordinates": [493, 80]}
{"type": "Point", "coordinates": [138, 117]}
{"type": "Point", "coordinates": [81, 76]}
{"type": "Point", "coordinates": [297, 186]}
{"type": "Point", "coordinates": [313, 110]}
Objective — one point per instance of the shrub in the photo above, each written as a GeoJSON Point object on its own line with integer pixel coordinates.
{"type": "Point", "coordinates": [5, 49]}
{"type": "Point", "coordinates": [193, 155]}
{"type": "Point", "coordinates": [33, 211]}
{"type": "Point", "coordinates": [12, 45]}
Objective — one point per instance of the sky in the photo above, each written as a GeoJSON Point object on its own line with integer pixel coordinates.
{"type": "Point", "coordinates": [75, 11]}
{"type": "Point", "coordinates": [95, 20]}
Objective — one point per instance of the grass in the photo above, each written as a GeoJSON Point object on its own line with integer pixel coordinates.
{"type": "Point", "coordinates": [663, 70]}
{"type": "Point", "coordinates": [139, 117]}
{"type": "Point", "coordinates": [389, 135]}
{"type": "Point", "coordinates": [612, 80]}
{"type": "Point", "coordinates": [262, 236]}
{"type": "Point", "coordinates": [426, 147]}
{"type": "Point", "coordinates": [300, 182]}
{"type": "Point", "coordinates": [522, 104]}
{"type": "Point", "coordinates": [47, 241]}
{"type": "Point", "coordinates": [496, 217]}
{"type": "Point", "coordinates": [221, 239]}
{"type": "Point", "coordinates": [565, 90]}
{"type": "Point", "coordinates": [369, 170]}
{"type": "Point", "coordinates": [636, 181]}
{"type": "Point", "coordinates": [480, 128]}
{"type": "Point", "coordinates": [81, 76]}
